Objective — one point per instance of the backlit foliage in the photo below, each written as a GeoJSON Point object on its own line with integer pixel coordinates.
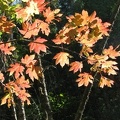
{"type": "Point", "coordinates": [84, 29]}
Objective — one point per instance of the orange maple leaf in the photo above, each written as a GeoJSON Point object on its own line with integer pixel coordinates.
{"type": "Point", "coordinates": [50, 15]}
{"type": "Point", "coordinates": [33, 74]}
{"type": "Point", "coordinates": [84, 79]}
{"type": "Point", "coordinates": [62, 58]}
{"type": "Point", "coordinates": [22, 83]}
{"type": "Point", "coordinates": [41, 4]}
{"type": "Point", "coordinates": [76, 66]}
{"type": "Point", "coordinates": [34, 28]}
{"type": "Point", "coordinates": [17, 69]}
{"type": "Point", "coordinates": [6, 48]}
{"type": "Point", "coordinates": [28, 60]}
{"type": "Point", "coordinates": [105, 82]}
{"type": "Point", "coordinates": [112, 53]}
{"type": "Point", "coordinates": [37, 45]}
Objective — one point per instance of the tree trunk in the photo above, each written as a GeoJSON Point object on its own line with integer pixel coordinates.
{"type": "Point", "coordinates": [41, 88]}
{"type": "Point", "coordinates": [20, 110]}
{"type": "Point", "coordinates": [83, 102]}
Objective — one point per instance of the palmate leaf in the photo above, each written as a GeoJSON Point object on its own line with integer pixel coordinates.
{"type": "Point", "coordinates": [28, 60]}
{"type": "Point", "coordinates": [62, 58]}
{"type": "Point", "coordinates": [84, 79]}
{"type": "Point", "coordinates": [105, 82]}
{"type": "Point", "coordinates": [38, 45]}
{"type": "Point", "coordinates": [6, 48]}
{"type": "Point", "coordinates": [51, 15]}
{"type": "Point", "coordinates": [33, 29]}
{"type": "Point", "coordinates": [111, 52]}
{"type": "Point", "coordinates": [16, 68]}
{"type": "Point", "coordinates": [34, 72]}
{"type": "Point", "coordinates": [22, 82]}
{"type": "Point", "coordinates": [76, 66]}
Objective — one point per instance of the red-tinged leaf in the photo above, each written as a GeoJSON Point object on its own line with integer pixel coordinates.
{"type": "Point", "coordinates": [1, 77]}
{"type": "Point", "coordinates": [22, 83]}
{"type": "Point", "coordinates": [23, 95]}
{"type": "Point", "coordinates": [84, 79]}
{"type": "Point", "coordinates": [34, 28]}
{"type": "Point", "coordinates": [28, 60]}
{"type": "Point", "coordinates": [76, 66]}
{"type": "Point", "coordinates": [111, 52]}
{"type": "Point", "coordinates": [37, 45]}
{"type": "Point", "coordinates": [6, 48]}
{"type": "Point", "coordinates": [105, 82]}
{"type": "Point", "coordinates": [21, 13]}
{"type": "Point", "coordinates": [33, 74]}
{"type": "Point", "coordinates": [41, 4]}
{"type": "Point", "coordinates": [17, 69]}
{"type": "Point", "coordinates": [62, 58]}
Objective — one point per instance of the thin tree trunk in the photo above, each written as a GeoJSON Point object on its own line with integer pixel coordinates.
{"type": "Point", "coordinates": [20, 111]}
{"type": "Point", "coordinates": [83, 102]}
{"type": "Point", "coordinates": [14, 112]}
{"type": "Point", "coordinates": [45, 103]}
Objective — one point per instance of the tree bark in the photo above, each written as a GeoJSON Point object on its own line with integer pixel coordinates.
{"type": "Point", "coordinates": [41, 88]}
{"type": "Point", "coordinates": [83, 102]}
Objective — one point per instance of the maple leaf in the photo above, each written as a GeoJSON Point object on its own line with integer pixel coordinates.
{"type": "Point", "coordinates": [44, 27]}
{"type": "Point", "coordinates": [37, 45]}
{"type": "Point", "coordinates": [105, 82]}
{"type": "Point", "coordinates": [6, 26]}
{"type": "Point", "coordinates": [32, 8]}
{"type": "Point", "coordinates": [62, 58]}
{"type": "Point", "coordinates": [109, 67]}
{"type": "Point", "coordinates": [86, 51]}
{"type": "Point", "coordinates": [29, 29]}
{"type": "Point", "coordinates": [112, 53]}
{"type": "Point", "coordinates": [41, 5]}
{"type": "Point", "coordinates": [76, 66]}
{"type": "Point", "coordinates": [28, 60]}
{"type": "Point", "coordinates": [50, 15]}
{"type": "Point", "coordinates": [23, 95]}
{"type": "Point", "coordinates": [31, 71]}
{"type": "Point", "coordinates": [84, 79]}
{"type": "Point", "coordinates": [6, 48]}
{"type": "Point", "coordinates": [18, 88]}
{"type": "Point", "coordinates": [22, 83]}
{"type": "Point", "coordinates": [34, 28]}
{"type": "Point", "coordinates": [17, 69]}
{"type": "Point", "coordinates": [22, 14]}
{"type": "Point", "coordinates": [92, 59]}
